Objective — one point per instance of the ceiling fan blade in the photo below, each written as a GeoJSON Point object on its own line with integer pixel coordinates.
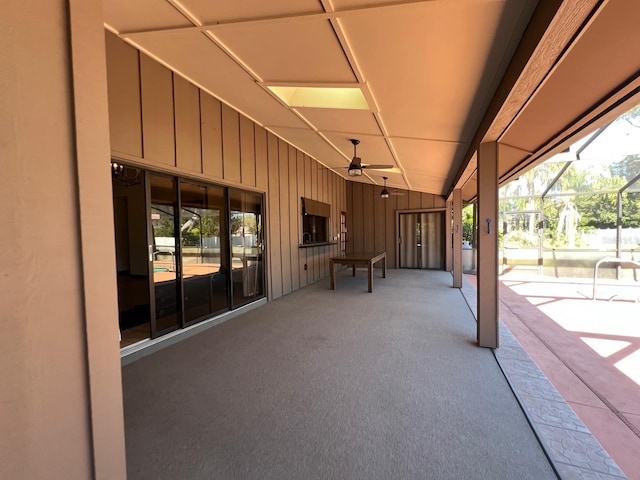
{"type": "Point", "coordinates": [400, 194]}
{"type": "Point", "coordinates": [378, 167]}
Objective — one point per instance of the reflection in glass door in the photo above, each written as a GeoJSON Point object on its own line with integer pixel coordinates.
{"type": "Point", "coordinates": [205, 250]}
{"type": "Point", "coordinates": [185, 251]}
{"type": "Point", "coordinates": [246, 246]}
{"type": "Point", "coordinates": [422, 240]}
{"type": "Point", "coordinates": [164, 269]}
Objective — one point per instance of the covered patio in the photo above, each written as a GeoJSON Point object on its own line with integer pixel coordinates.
{"type": "Point", "coordinates": [141, 138]}
{"type": "Point", "coordinates": [365, 386]}
{"type": "Point", "coordinates": [333, 384]}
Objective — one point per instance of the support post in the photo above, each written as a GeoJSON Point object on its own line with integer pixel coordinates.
{"type": "Point", "coordinates": [487, 292]}
{"type": "Point", "coordinates": [457, 238]}
{"type": "Point", "coordinates": [448, 229]}
{"type": "Point", "coordinates": [618, 231]}
{"type": "Point", "coordinates": [59, 349]}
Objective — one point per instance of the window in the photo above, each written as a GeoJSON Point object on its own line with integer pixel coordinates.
{"type": "Point", "coordinates": [315, 221]}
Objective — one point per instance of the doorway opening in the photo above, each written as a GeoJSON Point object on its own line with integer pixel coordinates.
{"type": "Point", "coordinates": [422, 243]}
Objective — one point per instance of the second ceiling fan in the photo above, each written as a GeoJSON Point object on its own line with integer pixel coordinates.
{"type": "Point", "coordinates": [356, 166]}
{"type": "Point", "coordinates": [385, 192]}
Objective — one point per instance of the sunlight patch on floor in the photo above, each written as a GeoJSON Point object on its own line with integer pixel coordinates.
{"type": "Point", "coordinates": [630, 366]}
{"type": "Point", "coordinates": [603, 347]}
{"type": "Point", "coordinates": [598, 318]}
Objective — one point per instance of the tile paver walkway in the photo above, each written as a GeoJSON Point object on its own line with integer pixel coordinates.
{"type": "Point", "coordinates": [574, 450]}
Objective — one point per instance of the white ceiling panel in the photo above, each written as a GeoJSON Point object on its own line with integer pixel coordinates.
{"type": "Point", "coordinates": [427, 183]}
{"type": "Point", "coordinates": [428, 79]}
{"type": "Point", "coordinates": [372, 150]}
{"type": "Point", "coordinates": [425, 156]}
{"type": "Point", "coordinates": [393, 179]}
{"type": "Point", "coordinates": [314, 146]}
{"type": "Point", "coordinates": [233, 10]}
{"type": "Point", "coordinates": [429, 69]}
{"type": "Point", "coordinates": [339, 5]}
{"type": "Point", "coordinates": [219, 75]}
{"type": "Point", "coordinates": [290, 52]}
{"type": "Point", "coordinates": [358, 122]}
{"type": "Point", "coordinates": [126, 16]}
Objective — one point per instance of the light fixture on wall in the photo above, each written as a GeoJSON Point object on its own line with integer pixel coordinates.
{"type": "Point", "coordinates": [126, 176]}
{"type": "Point", "coordinates": [117, 169]}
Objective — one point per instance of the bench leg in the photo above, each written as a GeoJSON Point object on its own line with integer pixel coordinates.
{"type": "Point", "coordinates": [332, 274]}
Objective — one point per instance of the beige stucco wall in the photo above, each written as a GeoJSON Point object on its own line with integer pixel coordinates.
{"type": "Point", "coordinates": [60, 392]}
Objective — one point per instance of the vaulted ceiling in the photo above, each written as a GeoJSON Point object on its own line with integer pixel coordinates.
{"type": "Point", "coordinates": [439, 76]}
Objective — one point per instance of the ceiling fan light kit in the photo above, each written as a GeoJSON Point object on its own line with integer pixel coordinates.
{"type": "Point", "coordinates": [355, 167]}
{"type": "Point", "coordinates": [384, 193]}
{"type": "Point", "coordinates": [354, 170]}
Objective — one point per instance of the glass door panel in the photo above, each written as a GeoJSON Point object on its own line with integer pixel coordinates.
{"type": "Point", "coordinates": [164, 255]}
{"type": "Point", "coordinates": [130, 222]}
{"type": "Point", "coordinates": [422, 240]}
{"type": "Point", "coordinates": [432, 227]}
{"type": "Point", "coordinates": [409, 240]}
{"type": "Point", "coordinates": [246, 246]}
{"type": "Point", "coordinates": [204, 253]}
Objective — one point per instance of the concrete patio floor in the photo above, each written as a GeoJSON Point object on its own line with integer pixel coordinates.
{"type": "Point", "coordinates": [335, 384]}
{"type": "Point", "coordinates": [589, 350]}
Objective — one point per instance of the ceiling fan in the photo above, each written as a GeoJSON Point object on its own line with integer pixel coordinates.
{"type": "Point", "coordinates": [384, 193]}
{"type": "Point", "coordinates": [356, 166]}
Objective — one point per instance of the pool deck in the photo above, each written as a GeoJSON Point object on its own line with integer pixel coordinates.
{"type": "Point", "coordinates": [588, 349]}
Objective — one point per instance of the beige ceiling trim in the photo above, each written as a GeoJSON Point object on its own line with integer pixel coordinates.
{"type": "Point", "coordinates": [437, 140]}
{"type": "Point", "coordinates": [563, 32]}
{"type": "Point", "coordinates": [184, 11]}
{"type": "Point", "coordinates": [339, 30]}
{"type": "Point", "coordinates": [110, 29]}
{"type": "Point", "coordinates": [516, 148]}
{"type": "Point", "coordinates": [344, 43]}
{"type": "Point", "coordinates": [296, 17]}
{"type": "Point", "coordinates": [616, 104]}
{"type": "Point", "coordinates": [334, 146]}
{"type": "Point", "coordinates": [552, 27]}
{"type": "Point", "coordinates": [346, 46]}
{"type": "Point", "coordinates": [221, 45]}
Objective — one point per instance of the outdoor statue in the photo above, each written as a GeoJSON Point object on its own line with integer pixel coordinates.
{"type": "Point", "coordinates": [568, 222]}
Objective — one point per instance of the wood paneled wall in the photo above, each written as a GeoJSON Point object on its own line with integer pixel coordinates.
{"type": "Point", "coordinates": [160, 120]}
{"type": "Point", "coordinates": [371, 220]}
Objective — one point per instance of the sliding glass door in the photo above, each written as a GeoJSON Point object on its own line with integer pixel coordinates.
{"type": "Point", "coordinates": [246, 246]}
{"type": "Point", "coordinates": [205, 250]}
{"type": "Point", "coordinates": [186, 251]}
{"type": "Point", "coordinates": [164, 254]}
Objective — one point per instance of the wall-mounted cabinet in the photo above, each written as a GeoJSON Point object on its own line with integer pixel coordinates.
{"type": "Point", "coordinates": [315, 222]}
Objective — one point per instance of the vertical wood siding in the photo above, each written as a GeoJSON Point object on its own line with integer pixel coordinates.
{"type": "Point", "coordinates": [211, 132]}
{"type": "Point", "coordinates": [160, 120]}
{"type": "Point", "coordinates": [371, 220]}
{"type": "Point", "coordinates": [158, 125]}
{"type": "Point", "coordinates": [123, 84]}
{"type": "Point", "coordinates": [188, 125]}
